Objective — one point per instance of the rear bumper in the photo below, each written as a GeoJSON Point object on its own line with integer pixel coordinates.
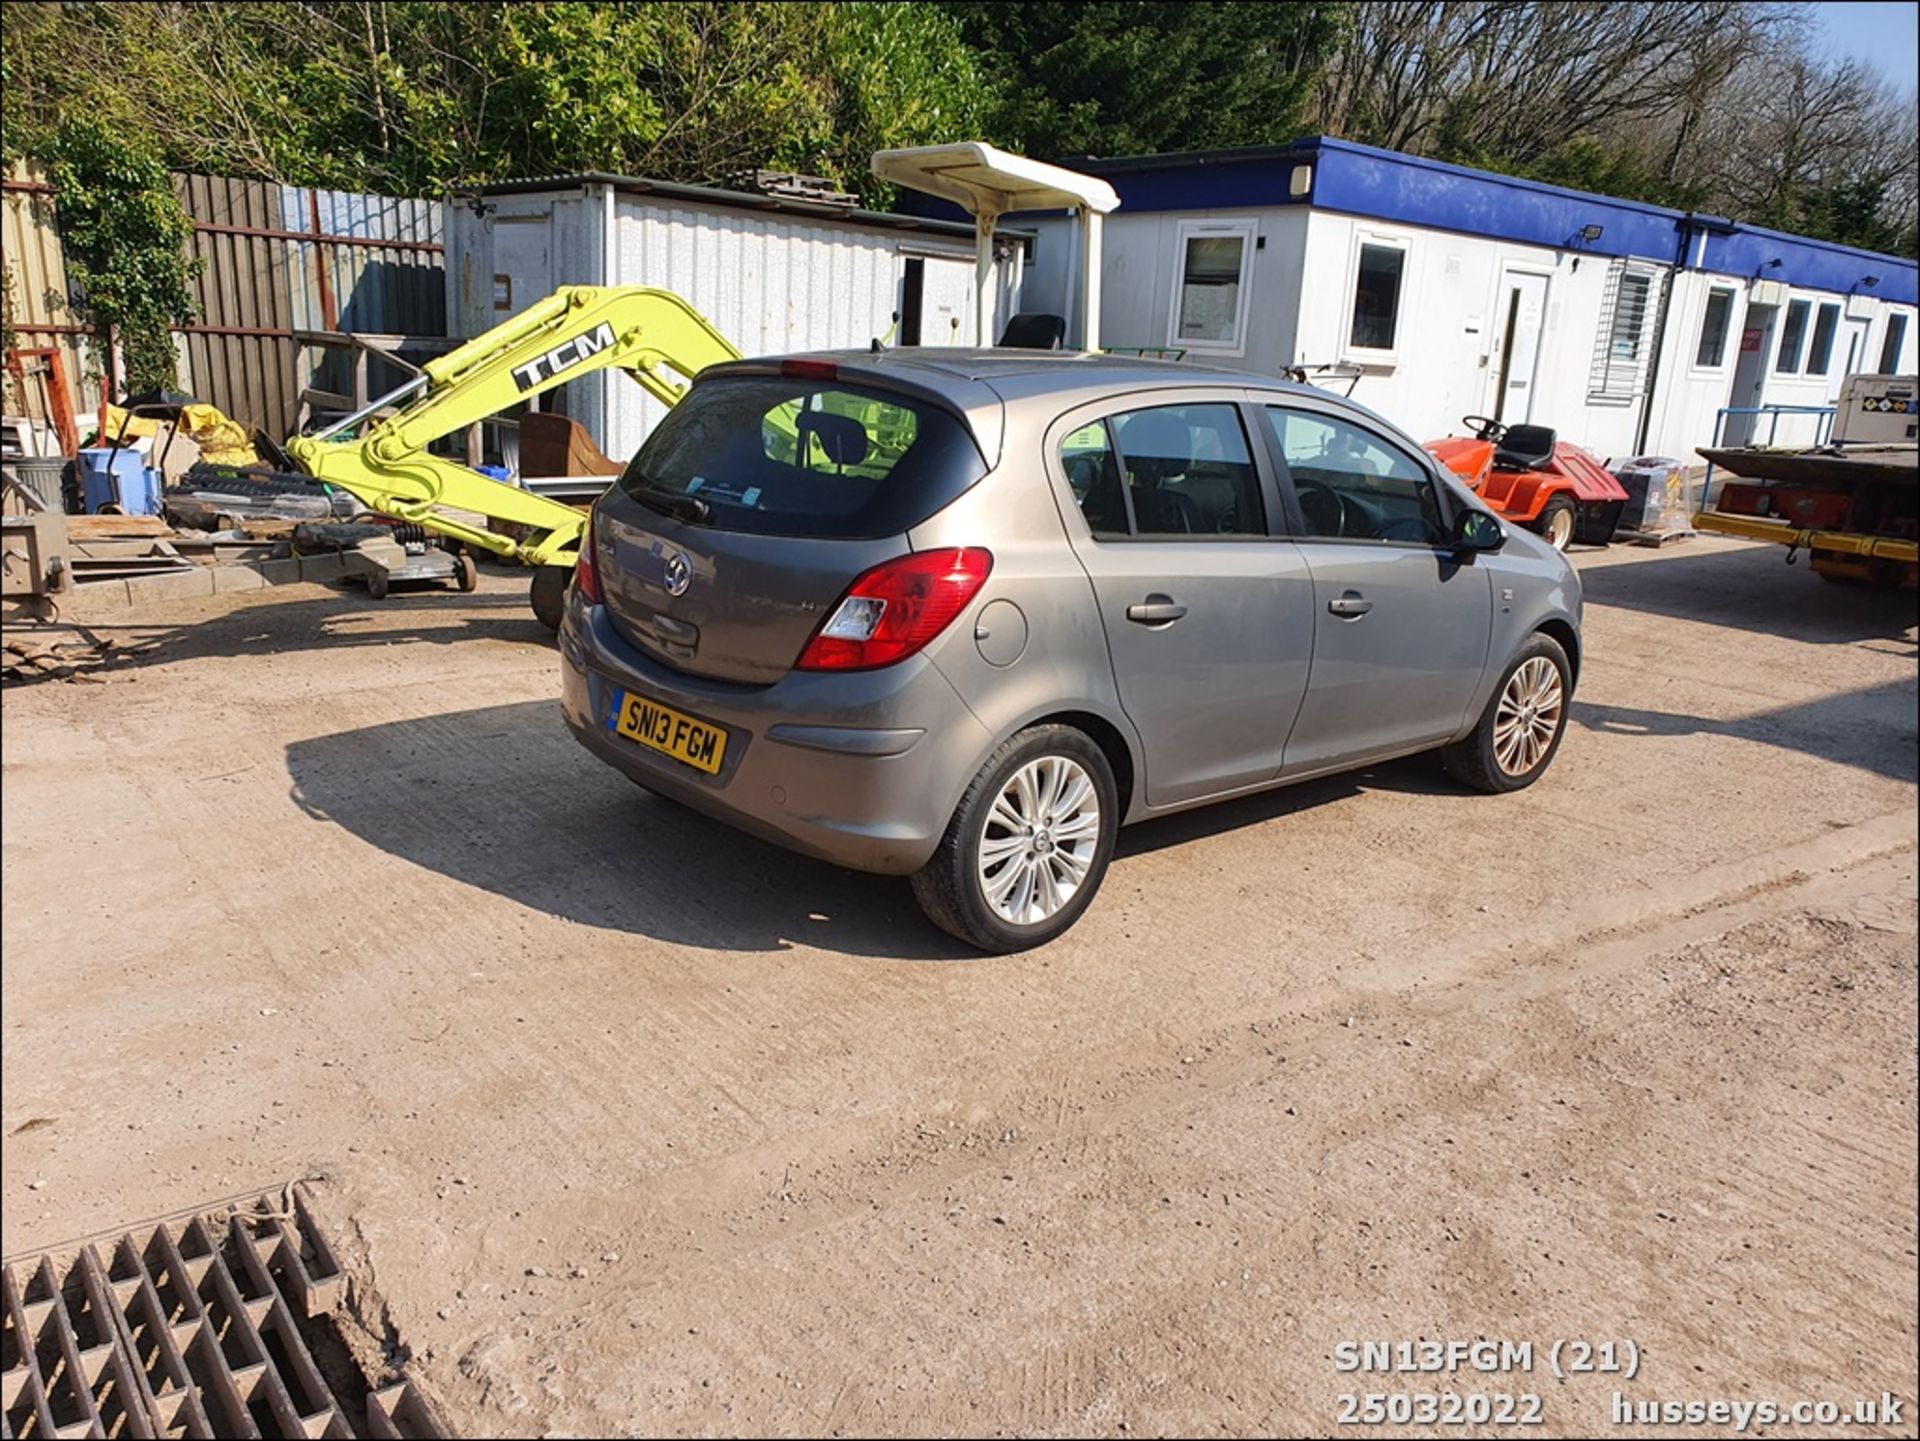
{"type": "Point", "coordinates": [862, 770]}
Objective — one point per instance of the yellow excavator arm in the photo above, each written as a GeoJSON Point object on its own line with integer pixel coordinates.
{"type": "Point", "coordinates": [653, 335]}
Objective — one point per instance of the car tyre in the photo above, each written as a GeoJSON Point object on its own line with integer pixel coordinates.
{"type": "Point", "coordinates": [1515, 739]}
{"type": "Point", "coordinates": [1558, 522]}
{"type": "Point", "coordinates": [548, 594]}
{"type": "Point", "coordinates": [1001, 888]}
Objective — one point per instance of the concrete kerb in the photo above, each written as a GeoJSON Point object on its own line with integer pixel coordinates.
{"type": "Point", "coordinates": [98, 597]}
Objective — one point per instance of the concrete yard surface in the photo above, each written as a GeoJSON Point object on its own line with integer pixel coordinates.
{"type": "Point", "coordinates": [631, 1124]}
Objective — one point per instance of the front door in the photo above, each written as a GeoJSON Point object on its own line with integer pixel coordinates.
{"type": "Point", "coordinates": [1401, 627]}
{"type": "Point", "coordinates": [1853, 345]}
{"type": "Point", "coordinates": [1518, 321]}
{"type": "Point", "coordinates": [1208, 618]}
{"type": "Point", "coordinates": [1749, 373]}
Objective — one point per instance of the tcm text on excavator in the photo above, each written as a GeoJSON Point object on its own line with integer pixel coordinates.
{"type": "Point", "coordinates": [653, 335]}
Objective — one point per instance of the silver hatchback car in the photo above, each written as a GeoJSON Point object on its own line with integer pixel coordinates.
{"type": "Point", "coordinates": [961, 615]}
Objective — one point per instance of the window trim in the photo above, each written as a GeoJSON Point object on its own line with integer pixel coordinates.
{"type": "Point", "coordinates": [1379, 240]}
{"type": "Point", "coordinates": [1780, 366]}
{"type": "Point", "coordinates": [1247, 231]}
{"type": "Point", "coordinates": [1821, 313]}
{"type": "Point", "coordinates": [1445, 501]}
{"type": "Point", "coordinates": [1719, 364]}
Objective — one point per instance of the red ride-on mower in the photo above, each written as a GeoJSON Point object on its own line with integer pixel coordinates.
{"type": "Point", "coordinates": [1531, 476]}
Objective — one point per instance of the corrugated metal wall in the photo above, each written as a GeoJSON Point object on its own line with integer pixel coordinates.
{"type": "Point", "coordinates": [286, 263]}
{"type": "Point", "coordinates": [769, 283]}
{"type": "Point", "coordinates": [280, 266]}
{"type": "Point", "coordinates": [240, 351]}
{"type": "Point", "coordinates": [37, 302]}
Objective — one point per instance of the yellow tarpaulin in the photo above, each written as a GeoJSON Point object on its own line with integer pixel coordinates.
{"type": "Point", "coordinates": [221, 439]}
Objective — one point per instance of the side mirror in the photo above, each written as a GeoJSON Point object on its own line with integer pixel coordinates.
{"type": "Point", "coordinates": [1476, 531]}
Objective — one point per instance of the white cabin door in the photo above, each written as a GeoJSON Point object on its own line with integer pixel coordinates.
{"type": "Point", "coordinates": [522, 263]}
{"type": "Point", "coordinates": [1518, 318]}
{"type": "Point", "coordinates": [1852, 345]}
{"type": "Point", "coordinates": [946, 308]}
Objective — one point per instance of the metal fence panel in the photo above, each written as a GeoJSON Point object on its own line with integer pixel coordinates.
{"type": "Point", "coordinates": [240, 350]}
{"type": "Point", "coordinates": [37, 302]}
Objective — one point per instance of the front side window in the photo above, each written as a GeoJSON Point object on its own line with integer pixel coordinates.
{"type": "Point", "coordinates": [1213, 281]}
{"type": "Point", "coordinates": [1824, 326]}
{"type": "Point", "coordinates": [1376, 297]}
{"type": "Point", "coordinates": [1793, 338]}
{"type": "Point", "coordinates": [1713, 329]}
{"type": "Point", "coordinates": [1354, 485]}
{"type": "Point", "coordinates": [1169, 472]}
{"type": "Point", "coordinates": [1893, 344]}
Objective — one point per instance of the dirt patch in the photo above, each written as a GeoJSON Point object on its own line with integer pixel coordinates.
{"type": "Point", "coordinates": [647, 1127]}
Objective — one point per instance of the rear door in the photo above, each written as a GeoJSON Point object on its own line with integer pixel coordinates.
{"type": "Point", "coordinates": [1207, 613]}
{"type": "Point", "coordinates": [736, 528]}
{"type": "Point", "coordinates": [1400, 627]}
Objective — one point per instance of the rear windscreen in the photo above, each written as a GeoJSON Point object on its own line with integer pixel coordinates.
{"type": "Point", "coordinates": [778, 456]}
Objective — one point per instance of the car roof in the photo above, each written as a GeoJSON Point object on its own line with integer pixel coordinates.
{"type": "Point", "coordinates": [971, 380]}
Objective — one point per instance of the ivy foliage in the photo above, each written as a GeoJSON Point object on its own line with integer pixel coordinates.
{"type": "Point", "coordinates": [125, 238]}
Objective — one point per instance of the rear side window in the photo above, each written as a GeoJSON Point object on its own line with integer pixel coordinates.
{"type": "Point", "coordinates": [777, 456]}
{"type": "Point", "coordinates": [1165, 473]}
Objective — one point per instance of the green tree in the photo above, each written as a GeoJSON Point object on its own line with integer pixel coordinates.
{"type": "Point", "coordinates": [411, 97]}
{"type": "Point", "coordinates": [1140, 76]}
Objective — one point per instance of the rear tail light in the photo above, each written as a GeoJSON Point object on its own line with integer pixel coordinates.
{"type": "Point", "coordinates": [897, 608]}
{"type": "Point", "coordinates": [585, 576]}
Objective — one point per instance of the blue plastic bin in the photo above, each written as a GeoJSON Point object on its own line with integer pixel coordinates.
{"type": "Point", "coordinates": [118, 477]}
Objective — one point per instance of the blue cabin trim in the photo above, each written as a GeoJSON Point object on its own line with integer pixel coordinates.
{"type": "Point", "coordinates": [1390, 187]}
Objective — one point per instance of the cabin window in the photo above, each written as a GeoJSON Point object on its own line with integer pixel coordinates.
{"type": "Point", "coordinates": [1793, 338]}
{"type": "Point", "coordinates": [1210, 299]}
{"type": "Point", "coordinates": [1893, 344]}
{"type": "Point", "coordinates": [1620, 348]}
{"type": "Point", "coordinates": [1376, 296]}
{"type": "Point", "coordinates": [1824, 326]}
{"type": "Point", "coordinates": [1713, 329]}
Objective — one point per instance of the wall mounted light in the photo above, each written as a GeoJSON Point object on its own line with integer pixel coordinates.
{"type": "Point", "coordinates": [1585, 235]}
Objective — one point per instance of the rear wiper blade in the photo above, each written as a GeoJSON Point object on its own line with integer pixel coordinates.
{"type": "Point", "coordinates": [674, 502]}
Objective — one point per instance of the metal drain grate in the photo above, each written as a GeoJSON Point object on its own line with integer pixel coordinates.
{"type": "Point", "coordinates": [207, 1324]}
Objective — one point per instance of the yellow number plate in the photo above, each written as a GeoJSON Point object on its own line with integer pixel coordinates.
{"type": "Point", "coordinates": [670, 732]}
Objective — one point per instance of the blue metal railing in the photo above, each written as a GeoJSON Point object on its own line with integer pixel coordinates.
{"type": "Point", "coordinates": [1821, 430]}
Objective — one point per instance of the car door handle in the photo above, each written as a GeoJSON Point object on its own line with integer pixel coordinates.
{"type": "Point", "coordinates": [1350, 606]}
{"type": "Point", "coordinates": [1156, 609]}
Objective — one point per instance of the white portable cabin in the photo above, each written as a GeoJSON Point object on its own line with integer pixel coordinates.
{"type": "Point", "coordinates": [772, 273]}
{"type": "Point", "coordinates": [1441, 291]}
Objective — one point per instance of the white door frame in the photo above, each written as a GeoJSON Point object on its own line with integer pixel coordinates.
{"type": "Point", "coordinates": [1497, 378]}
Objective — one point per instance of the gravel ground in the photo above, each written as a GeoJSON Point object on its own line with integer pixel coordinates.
{"type": "Point", "coordinates": [632, 1124]}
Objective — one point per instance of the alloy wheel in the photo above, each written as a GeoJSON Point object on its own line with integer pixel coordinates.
{"type": "Point", "coordinates": [1528, 717]}
{"type": "Point", "coordinates": [1038, 841]}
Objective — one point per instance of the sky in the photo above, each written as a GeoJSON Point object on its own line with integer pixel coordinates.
{"type": "Point", "coordinates": [1886, 35]}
